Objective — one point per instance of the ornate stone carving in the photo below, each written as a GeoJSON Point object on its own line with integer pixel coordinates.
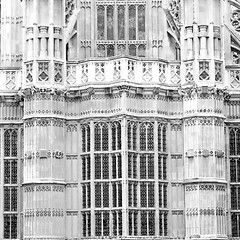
{"type": "Point", "coordinates": [162, 72]}
{"type": "Point", "coordinates": [29, 72]}
{"type": "Point", "coordinates": [100, 71]}
{"type": "Point", "coordinates": [43, 71]}
{"type": "Point", "coordinates": [175, 73]}
{"type": "Point", "coordinates": [58, 78]}
{"type": "Point", "coordinates": [175, 10]}
{"type": "Point", "coordinates": [70, 5]}
{"type": "Point", "coordinates": [218, 72]}
{"type": "Point", "coordinates": [131, 70]}
{"type": "Point", "coordinates": [84, 71]}
{"type": "Point", "coordinates": [10, 80]}
{"type": "Point", "coordinates": [204, 71]}
{"type": "Point", "coordinates": [189, 72]}
{"type": "Point", "coordinates": [235, 78]}
{"type": "Point", "coordinates": [147, 71]}
{"type": "Point", "coordinates": [235, 19]}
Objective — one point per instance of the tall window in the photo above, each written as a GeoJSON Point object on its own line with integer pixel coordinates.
{"type": "Point", "coordinates": [86, 224]}
{"type": "Point", "coordinates": [102, 223]}
{"type": "Point", "coordinates": [116, 135]}
{"type": "Point", "coordinates": [146, 137]}
{"type": "Point", "coordinates": [86, 138]}
{"type": "Point", "coordinates": [101, 137]}
{"type": "Point", "coordinates": [234, 149]}
{"type": "Point", "coordinates": [123, 21]}
{"type": "Point", "coordinates": [10, 183]}
{"type": "Point", "coordinates": [132, 135]}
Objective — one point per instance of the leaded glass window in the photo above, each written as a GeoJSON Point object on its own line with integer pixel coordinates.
{"type": "Point", "coordinates": [86, 138]}
{"type": "Point", "coordinates": [10, 143]}
{"type": "Point", "coordinates": [132, 135]}
{"type": "Point", "coordinates": [114, 194]}
{"type": "Point", "coordinates": [162, 195]}
{"type": "Point", "coordinates": [234, 147]}
{"type": "Point", "coordinates": [151, 223]}
{"type": "Point", "coordinates": [119, 195]}
{"type": "Point", "coordinates": [112, 19]}
{"type": "Point", "coordinates": [162, 138]}
{"type": "Point", "coordinates": [86, 195]}
{"type": "Point", "coordinates": [116, 136]}
{"type": "Point", "coordinates": [98, 166]}
{"type": "Point", "coordinates": [116, 166]}
{"type": "Point", "coordinates": [234, 141]}
{"type": "Point", "coordinates": [151, 195]}
{"type": "Point", "coordinates": [101, 137]}
{"type": "Point", "coordinates": [143, 194]}
{"type": "Point", "coordinates": [98, 224]}
{"type": "Point", "coordinates": [105, 195]}
{"type": "Point", "coordinates": [132, 194]}
{"type": "Point", "coordinates": [234, 218]}
{"type": "Point", "coordinates": [114, 223]}
{"type": "Point", "coordinates": [10, 226]}
{"type": "Point", "coordinates": [162, 167]}
{"type": "Point", "coordinates": [105, 164]}
{"type": "Point", "coordinates": [120, 223]}
{"type": "Point", "coordinates": [130, 223]}
{"type": "Point", "coordinates": [143, 166]}
{"type": "Point", "coordinates": [134, 166]}
{"type": "Point", "coordinates": [105, 223]}
{"type": "Point", "coordinates": [163, 217]}
{"type": "Point", "coordinates": [86, 224]}
{"type": "Point", "coordinates": [144, 223]}
{"type": "Point", "coordinates": [121, 22]}
{"type": "Point", "coordinates": [10, 188]}
{"type": "Point", "coordinates": [98, 195]}
{"type": "Point", "coordinates": [146, 137]}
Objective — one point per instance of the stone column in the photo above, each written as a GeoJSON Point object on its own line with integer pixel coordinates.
{"type": "Point", "coordinates": [44, 144]}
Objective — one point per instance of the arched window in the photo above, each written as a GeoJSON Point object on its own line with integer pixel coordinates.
{"type": "Point", "coordinates": [146, 137]}
{"type": "Point", "coordinates": [100, 22]}
{"type": "Point", "coordinates": [105, 137]}
{"type": "Point", "coordinates": [232, 144]}
{"type": "Point", "coordinates": [86, 142]}
{"type": "Point", "coordinates": [150, 139]}
{"type": "Point", "coordinates": [132, 22]}
{"type": "Point", "coordinates": [10, 143]}
{"type": "Point", "coordinates": [101, 137]}
{"type": "Point", "coordinates": [121, 22]}
{"type": "Point", "coordinates": [97, 137]}
{"type": "Point", "coordinates": [116, 136]}
{"type": "Point", "coordinates": [142, 139]}
{"type": "Point", "coordinates": [132, 135]}
{"type": "Point", "coordinates": [10, 201]}
{"type": "Point", "coordinates": [141, 22]}
{"type": "Point", "coordinates": [110, 23]}
{"type": "Point", "coordinates": [162, 138]}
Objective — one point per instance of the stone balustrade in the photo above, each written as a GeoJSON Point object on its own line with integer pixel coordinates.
{"type": "Point", "coordinates": [129, 69]}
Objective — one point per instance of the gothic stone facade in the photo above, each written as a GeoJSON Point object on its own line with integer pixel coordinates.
{"type": "Point", "coordinates": [120, 119]}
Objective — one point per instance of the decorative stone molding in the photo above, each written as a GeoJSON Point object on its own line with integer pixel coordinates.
{"type": "Point", "coordinates": [45, 212]}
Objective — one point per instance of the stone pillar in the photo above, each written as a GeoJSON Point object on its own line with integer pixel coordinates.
{"type": "Point", "coordinates": [205, 179]}
{"type": "Point", "coordinates": [205, 182]}
{"type": "Point", "coordinates": [11, 33]}
{"type": "Point", "coordinates": [44, 144]}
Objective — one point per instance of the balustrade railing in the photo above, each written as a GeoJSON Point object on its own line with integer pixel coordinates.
{"type": "Point", "coordinates": [127, 69]}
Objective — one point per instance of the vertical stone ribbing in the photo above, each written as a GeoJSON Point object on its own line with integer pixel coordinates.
{"type": "Point", "coordinates": [44, 124]}
{"type": "Point", "coordinates": [11, 26]}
